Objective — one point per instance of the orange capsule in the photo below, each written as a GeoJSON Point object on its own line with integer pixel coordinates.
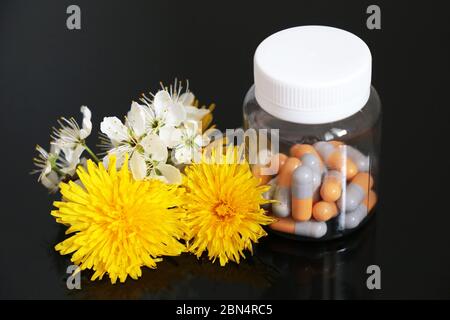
{"type": "Point", "coordinates": [285, 225]}
{"type": "Point", "coordinates": [263, 172]}
{"type": "Point", "coordinates": [257, 171]}
{"type": "Point", "coordinates": [282, 206]}
{"type": "Point", "coordinates": [311, 228]}
{"type": "Point", "coordinates": [302, 193]}
{"type": "Point", "coordinates": [299, 150]}
{"type": "Point", "coordinates": [336, 143]}
{"type": "Point", "coordinates": [370, 200]}
{"type": "Point", "coordinates": [336, 159]}
{"type": "Point", "coordinates": [364, 180]}
{"type": "Point", "coordinates": [324, 211]}
{"type": "Point", "coordinates": [354, 218]}
{"type": "Point", "coordinates": [356, 191]}
{"type": "Point", "coordinates": [285, 175]}
{"type": "Point", "coordinates": [331, 188]}
{"type": "Point", "coordinates": [277, 161]}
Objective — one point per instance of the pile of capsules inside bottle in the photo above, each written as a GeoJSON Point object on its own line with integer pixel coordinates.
{"type": "Point", "coordinates": [314, 184]}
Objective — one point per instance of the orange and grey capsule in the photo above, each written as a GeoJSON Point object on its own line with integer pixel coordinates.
{"type": "Point", "coordinates": [324, 211]}
{"type": "Point", "coordinates": [313, 161]}
{"type": "Point", "coordinates": [354, 218]}
{"type": "Point", "coordinates": [314, 229]}
{"type": "Point", "coordinates": [336, 159]}
{"type": "Point", "coordinates": [278, 161]}
{"type": "Point", "coordinates": [299, 150]}
{"type": "Point", "coordinates": [275, 163]}
{"type": "Point", "coordinates": [302, 193]}
{"type": "Point", "coordinates": [282, 208]}
{"type": "Point", "coordinates": [336, 143]}
{"type": "Point", "coordinates": [361, 161]}
{"type": "Point", "coordinates": [331, 188]}
{"type": "Point", "coordinates": [356, 191]}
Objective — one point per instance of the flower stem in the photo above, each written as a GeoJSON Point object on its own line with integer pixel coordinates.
{"type": "Point", "coordinates": [58, 171]}
{"type": "Point", "coordinates": [91, 153]}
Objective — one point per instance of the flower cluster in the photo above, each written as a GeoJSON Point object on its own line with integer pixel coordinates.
{"type": "Point", "coordinates": [157, 192]}
{"type": "Point", "coordinates": [67, 145]}
{"type": "Point", "coordinates": [160, 134]}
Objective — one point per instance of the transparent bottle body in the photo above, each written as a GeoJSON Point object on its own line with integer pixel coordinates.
{"type": "Point", "coordinates": [357, 200]}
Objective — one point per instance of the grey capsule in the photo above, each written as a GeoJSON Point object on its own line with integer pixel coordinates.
{"type": "Point", "coordinates": [313, 229]}
{"type": "Point", "coordinates": [282, 208]}
{"type": "Point", "coordinates": [352, 197]}
{"type": "Point", "coordinates": [335, 174]}
{"type": "Point", "coordinates": [354, 218]}
{"type": "Point", "coordinates": [324, 149]}
{"type": "Point", "coordinates": [361, 161]}
{"type": "Point", "coordinates": [302, 182]}
{"type": "Point", "coordinates": [310, 160]}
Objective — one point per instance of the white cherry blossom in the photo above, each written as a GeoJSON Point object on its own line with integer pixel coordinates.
{"type": "Point", "coordinates": [149, 161]}
{"type": "Point", "coordinates": [191, 143]}
{"type": "Point", "coordinates": [70, 135]}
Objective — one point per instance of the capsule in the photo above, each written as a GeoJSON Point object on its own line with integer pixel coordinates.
{"type": "Point", "coordinates": [302, 193]}
{"type": "Point", "coordinates": [313, 161]}
{"type": "Point", "coordinates": [361, 161]}
{"type": "Point", "coordinates": [336, 159]}
{"type": "Point", "coordinates": [356, 191]}
{"type": "Point", "coordinates": [282, 208]}
{"type": "Point", "coordinates": [299, 150]}
{"type": "Point", "coordinates": [313, 229]}
{"type": "Point", "coordinates": [275, 163]}
{"type": "Point", "coordinates": [354, 218]}
{"type": "Point", "coordinates": [336, 143]}
{"type": "Point", "coordinates": [331, 188]}
{"type": "Point", "coordinates": [324, 211]}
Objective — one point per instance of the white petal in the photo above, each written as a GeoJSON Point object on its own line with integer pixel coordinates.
{"type": "Point", "coordinates": [170, 136]}
{"type": "Point", "coordinates": [172, 174]}
{"type": "Point", "coordinates": [54, 148]}
{"type": "Point", "coordinates": [86, 125]}
{"type": "Point", "coordinates": [176, 114]}
{"type": "Point", "coordinates": [183, 154]}
{"type": "Point", "coordinates": [187, 99]}
{"type": "Point", "coordinates": [191, 128]}
{"type": "Point", "coordinates": [138, 166]}
{"type": "Point", "coordinates": [201, 140]}
{"type": "Point", "coordinates": [114, 129]}
{"type": "Point", "coordinates": [161, 101]}
{"type": "Point", "coordinates": [72, 157]}
{"type": "Point", "coordinates": [119, 152]}
{"type": "Point", "coordinates": [51, 181]}
{"type": "Point", "coordinates": [136, 119]}
{"type": "Point", "coordinates": [194, 113]}
{"type": "Point", "coordinates": [154, 148]}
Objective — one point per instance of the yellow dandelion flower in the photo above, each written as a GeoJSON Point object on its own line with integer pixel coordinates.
{"type": "Point", "coordinates": [224, 213]}
{"type": "Point", "coordinates": [119, 224]}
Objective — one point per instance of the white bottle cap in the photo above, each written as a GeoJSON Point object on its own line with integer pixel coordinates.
{"type": "Point", "coordinates": [312, 74]}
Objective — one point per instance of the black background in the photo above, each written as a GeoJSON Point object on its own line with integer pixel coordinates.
{"type": "Point", "coordinates": [127, 47]}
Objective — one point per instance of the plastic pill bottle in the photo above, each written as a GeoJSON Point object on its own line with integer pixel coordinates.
{"type": "Point", "coordinates": [313, 84]}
